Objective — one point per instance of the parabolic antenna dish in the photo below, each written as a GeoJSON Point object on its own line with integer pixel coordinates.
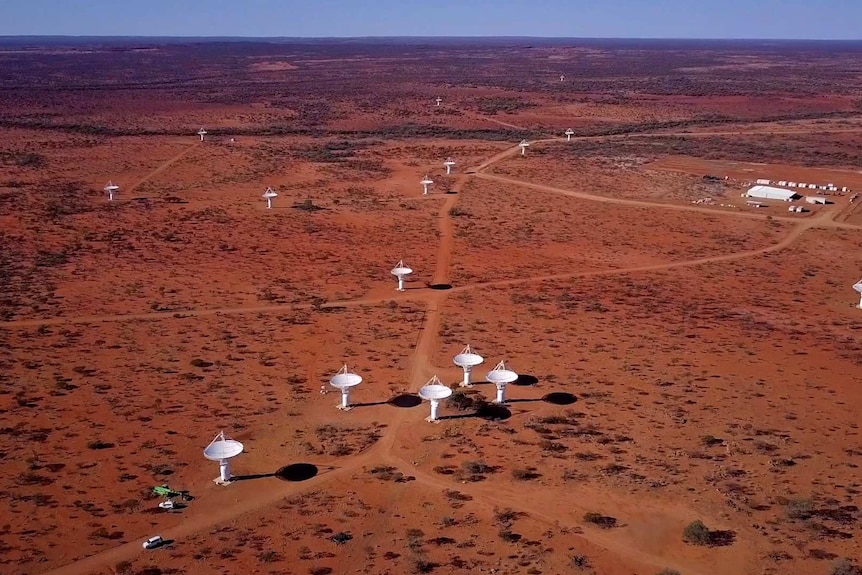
{"type": "Point", "coordinates": [345, 380]}
{"type": "Point", "coordinates": [401, 270]}
{"type": "Point", "coordinates": [858, 286]}
{"type": "Point", "coordinates": [468, 359]}
{"type": "Point", "coordinates": [270, 193]}
{"type": "Point", "coordinates": [427, 180]}
{"type": "Point", "coordinates": [434, 391]}
{"type": "Point", "coordinates": [111, 187]}
{"type": "Point", "coordinates": [501, 374]}
{"type": "Point", "coordinates": [524, 143]}
{"type": "Point", "coordinates": [222, 448]}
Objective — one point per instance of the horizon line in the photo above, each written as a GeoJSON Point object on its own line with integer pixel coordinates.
{"type": "Point", "coordinates": [423, 37]}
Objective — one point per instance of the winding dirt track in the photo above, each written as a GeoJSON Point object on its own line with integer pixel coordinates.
{"type": "Point", "coordinates": [246, 498]}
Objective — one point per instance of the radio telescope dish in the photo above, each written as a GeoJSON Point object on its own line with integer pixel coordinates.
{"type": "Point", "coordinates": [467, 360]}
{"type": "Point", "coordinates": [401, 271]}
{"type": "Point", "coordinates": [448, 164]}
{"type": "Point", "coordinates": [858, 287]}
{"type": "Point", "coordinates": [202, 133]}
{"type": "Point", "coordinates": [434, 392]}
{"type": "Point", "coordinates": [222, 449]}
{"type": "Point", "coordinates": [111, 187]}
{"type": "Point", "coordinates": [524, 145]}
{"type": "Point", "coordinates": [268, 195]}
{"type": "Point", "coordinates": [344, 380]}
{"type": "Point", "coordinates": [569, 133]}
{"type": "Point", "coordinates": [426, 181]}
{"type": "Point", "coordinates": [501, 376]}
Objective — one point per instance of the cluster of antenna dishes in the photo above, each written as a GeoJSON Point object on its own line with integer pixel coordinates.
{"type": "Point", "coordinates": [268, 195]}
{"type": "Point", "coordinates": [858, 287]}
{"type": "Point", "coordinates": [344, 380]}
{"type": "Point", "coordinates": [401, 271]}
{"type": "Point", "coordinates": [202, 133]}
{"type": "Point", "coordinates": [448, 164]}
{"type": "Point", "coordinates": [112, 189]}
{"type": "Point", "coordinates": [426, 181]}
{"type": "Point", "coordinates": [223, 449]}
{"type": "Point", "coordinates": [569, 133]}
{"type": "Point", "coordinates": [524, 145]}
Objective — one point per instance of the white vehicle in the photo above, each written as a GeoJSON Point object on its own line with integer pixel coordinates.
{"type": "Point", "coordinates": [153, 542]}
{"type": "Point", "coordinates": [167, 504]}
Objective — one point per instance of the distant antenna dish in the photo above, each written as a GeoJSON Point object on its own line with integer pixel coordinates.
{"type": "Point", "coordinates": [449, 163]}
{"type": "Point", "coordinates": [434, 392]}
{"type": "Point", "coordinates": [345, 381]}
{"type": "Point", "coordinates": [269, 194]}
{"type": "Point", "coordinates": [111, 188]}
{"type": "Point", "coordinates": [222, 449]}
{"type": "Point", "coordinates": [467, 360]}
{"type": "Point", "coordinates": [426, 181]}
{"type": "Point", "coordinates": [562, 77]}
{"type": "Point", "coordinates": [858, 287]}
{"type": "Point", "coordinates": [569, 133]}
{"type": "Point", "coordinates": [524, 145]}
{"type": "Point", "coordinates": [202, 133]}
{"type": "Point", "coordinates": [401, 271]}
{"type": "Point", "coordinates": [439, 100]}
{"type": "Point", "coordinates": [501, 376]}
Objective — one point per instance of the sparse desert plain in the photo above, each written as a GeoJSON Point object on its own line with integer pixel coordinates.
{"type": "Point", "coordinates": [689, 364]}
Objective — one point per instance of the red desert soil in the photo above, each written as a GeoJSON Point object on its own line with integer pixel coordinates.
{"type": "Point", "coordinates": [682, 356]}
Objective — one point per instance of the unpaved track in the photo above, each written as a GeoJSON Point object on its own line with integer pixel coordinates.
{"type": "Point", "coordinates": [164, 166]}
{"type": "Point", "coordinates": [249, 497]}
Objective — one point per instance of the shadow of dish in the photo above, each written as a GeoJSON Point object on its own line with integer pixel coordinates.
{"type": "Point", "coordinates": [525, 379]}
{"type": "Point", "coordinates": [554, 398]}
{"type": "Point", "coordinates": [297, 472]}
{"type": "Point", "coordinates": [440, 287]}
{"type": "Point", "coordinates": [559, 398]}
{"type": "Point", "coordinates": [405, 400]}
{"type": "Point", "coordinates": [251, 476]}
{"type": "Point", "coordinates": [486, 411]}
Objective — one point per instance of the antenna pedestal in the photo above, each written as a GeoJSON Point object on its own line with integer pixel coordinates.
{"type": "Point", "coordinates": [400, 283]}
{"type": "Point", "coordinates": [501, 394]}
{"type": "Point", "coordinates": [467, 371]}
{"type": "Point", "coordinates": [223, 472]}
{"type": "Point", "coordinates": [269, 203]}
{"type": "Point", "coordinates": [860, 303]}
{"type": "Point", "coordinates": [345, 400]}
{"type": "Point", "coordinates": [435, 406]}
{"type": "Point", "coordinates": [523, 150]}
{"type": "Point", "coordinates": [448, 170]}
{"type": "Point", "coordinates": [568, 137]}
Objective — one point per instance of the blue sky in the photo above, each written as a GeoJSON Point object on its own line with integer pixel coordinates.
{"type": "Point", "coordinates": [791, 19]}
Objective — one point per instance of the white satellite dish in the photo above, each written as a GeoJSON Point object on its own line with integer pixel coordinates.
{"type": "Point", "coordinates": [467, 360]}
{"type": "Point", "coordinates": [858, 287]}
{"type": "Point", "coordinates": [222, 449]}
{"type": "Point", "coordinates": [434, 392]}
{"type": "Point", "coordinates": [268, 195]}
{"type": "Point", "coordinates": [344, 380]}
{"type": "Point", "coordinates": [439, 100]}
{"type": "Point", "coordinates": [501, 376]}
{"type": "Point", "coordinates": [426, 181]}
{"type": "Point", "coordinates": [401, 271]}
{"type": "Point", "coordinates": [524, 145]}
{"type": "Point", "coordinates": [569, 133]}
{"type": "Point", "coordinates": [111, 188]}
{"type": "Point", "coordinates": [448, 164]}
{"type": "Point", "coordinates": [202, 133]}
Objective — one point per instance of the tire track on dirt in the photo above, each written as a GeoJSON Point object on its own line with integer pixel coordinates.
{"type": "Point", "coordinates": [164, 166]}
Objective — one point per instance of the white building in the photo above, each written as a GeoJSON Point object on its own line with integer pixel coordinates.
{"type": "Point", "coordinates": [770, 193]}
{"type": "Point", "coordinates": [763, 182]}
{"type": "Point", "coordinates": [816, 199]}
